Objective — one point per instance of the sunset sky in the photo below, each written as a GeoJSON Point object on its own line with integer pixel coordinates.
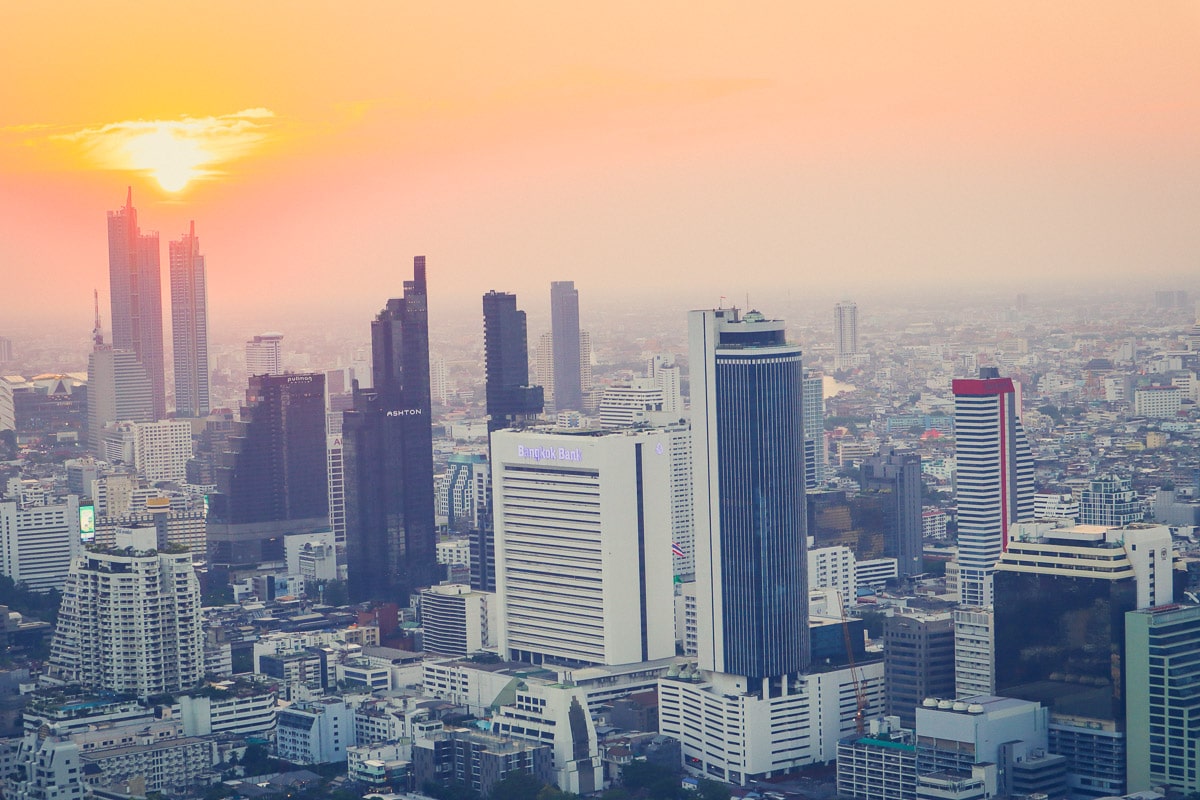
{"type": "Point", "coordinates": [630, 146]}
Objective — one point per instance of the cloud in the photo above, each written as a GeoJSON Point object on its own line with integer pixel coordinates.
{"type": "Point", "coordinates": [175, 151]}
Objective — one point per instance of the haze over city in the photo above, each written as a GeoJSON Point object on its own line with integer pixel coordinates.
{"type": "Point", "coordinates": [697, 150]}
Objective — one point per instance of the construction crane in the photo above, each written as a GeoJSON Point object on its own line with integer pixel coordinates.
{"type": "Point", "coordinates": [860, 694]}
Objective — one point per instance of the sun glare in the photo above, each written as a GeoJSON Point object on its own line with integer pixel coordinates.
{"type": "Point", "coordinates": [172, 160]}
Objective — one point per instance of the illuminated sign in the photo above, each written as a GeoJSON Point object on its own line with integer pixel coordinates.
{"type": "Point", "coordinates": [405, 412]}
{"type": "Point", "coordinates": [299, 378]}
{"type": "Point", "coordinates": [87, 523]}
{"type": "Point", "coordinates": [549, 453]}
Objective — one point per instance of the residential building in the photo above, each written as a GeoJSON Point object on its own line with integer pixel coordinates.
{"type": "Point", "coordinates": [162, 449]}
{"type": "Point", "coordinates": [477, 760]}
{"type": "Point", "coordinates": [189, 325]}
{"type": "Point", "coordinates": [815, 449]}
{"type": "Point", "coordinates": [845, 334]}
{"type": "Point", "coordinates": [135, 282]}
{"type": "Point", "coordinates": [664, 371]}
{"type": "Point", "coordinates": [974, 659]}
{"type": "Point", "coordinates": [1110, 501]}
{"type": "Point", "coordinates": [994, 479]}
{"type": "Point", "coordinates": [316, 732]}
{"type": "Point", "coordinates": [130, 620]}
{"type": "Point", "coordinates": [39, 542]}
{"type": "Point", "coordinates": [456, 620]}
{"type": "Point", "coordinates": [1157, 402]}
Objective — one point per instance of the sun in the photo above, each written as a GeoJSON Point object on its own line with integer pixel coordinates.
{"type": "Point", "coordinates": [173, 160]}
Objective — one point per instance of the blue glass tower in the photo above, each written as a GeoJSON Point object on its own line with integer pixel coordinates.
{"type": "Point", "coordinates": [748, 444]}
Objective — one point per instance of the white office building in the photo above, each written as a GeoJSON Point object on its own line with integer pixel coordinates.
{"type": "Point", "coordinates": [457, 621]}
{"type": "Point", "coordinates": [640, 400]}
{"type": "Point", "coordinates": [1159, 402]}
{"type": "Point", "coordinates": [583, 545]}
{"type": "Point", "coordinates": [315, 732]}
{"type": "Point", "coordinates": [162, 449]}
{"type": "Point", "coordinates": [38, 542]}
{"type": "Point", "coordinates": [263, 355]}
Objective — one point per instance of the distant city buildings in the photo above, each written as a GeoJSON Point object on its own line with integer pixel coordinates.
{"type": "Point", "coordinates": [845, 335]}
{"type": "Point", "coordinates": [263, 355]}
{"type": "Point", "coordinates": [564, 323]}
{"type": "Point", "coordinates": [511, 399]}
{"type": "Point", "coordinates": [38, 541]}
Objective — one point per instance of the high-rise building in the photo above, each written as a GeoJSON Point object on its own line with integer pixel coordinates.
{"type": "Point", "coordinates": [895, 477]}
{"type": "Point", "coordinates": [272, 478]}
{"type": "Point", "coordinates": [189, 325]}
{"type": "Point", "coordinates": [1060, 610]}
{"type": "Point", "coordinates": [130, 620]}
{"type": "Point", "coordinates": [118, 391]}
{"type": "Point", "coordinates": [135, 290]}
{"type": "Point", "coordinates": [845, 334]}
{"type": "Point", "coordinates": [664, 371]}
{"type": "Point", "coordinates": [263, 355]}
{"type": "Point", "coordinates": [918, 661]}
{"type": "Point", "coordinates": [1163, 707]}
{"type": "Point", "coordinates": [38, 541]}
{"type": "Point", "coordinates": [995, 477]}
{"type": "Point", "coordinates": [815, 456]}
{"type": "Point", "coordinates": [510, 397]}
{"type": "Point", "coordinates": [564, 325]}
{"type": "Point", "coordinates": [583, 545]}
{"type": "Point", "coordinates": [387, 445]}
{"type": "Point", "coordinates": [748, 472]}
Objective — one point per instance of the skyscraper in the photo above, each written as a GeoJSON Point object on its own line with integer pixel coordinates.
{"type": "Point", "coordinates": [748, 450]}
{"type": "Point", "coordinates": [510, 397]}
{"type": "Point", "coordinates": [845, 334]}
{"type": "Point", "coordinates": [135, 289]}
{"type": "Point", "coordinates": [388, 455]}
{"type": "Point", "coordinates": [814, 430]}
{"type": "Point", "coordinates": [995, 477]}
{"type": "Point", "coordinates": [895, 477]}
{"type": "Point", "coordinates": [189, 325]}
{"type": "Point", "coordinates": [564, 325]}
{"type": "Point", "coordinates": [272, 478]}
{"type": "Point", "coordinates": [118, 389]}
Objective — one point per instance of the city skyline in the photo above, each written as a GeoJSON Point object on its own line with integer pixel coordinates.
{"type": "Point", "coordinates": [642, 148]}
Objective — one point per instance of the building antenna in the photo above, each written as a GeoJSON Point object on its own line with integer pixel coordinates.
{"type": "Point", "coordinates": [97, 334]}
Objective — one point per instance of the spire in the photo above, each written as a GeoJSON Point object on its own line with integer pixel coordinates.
{"type": "Point", "coordinates": [129, 197]}
{"type": "Point", "coordinates": [97, 334]}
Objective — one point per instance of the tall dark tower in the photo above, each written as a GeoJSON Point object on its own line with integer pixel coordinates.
{"type": "Point", "coordinates": [135, 289]}
{"type": "Point", "coordinates": [273, 477]}
{"type": "Point", "coordinates": [510, 398]}
{"type": "Point", "coordinates": [748, 451]}
{"type": "Point", "coordinates": [564, 328]}
{"type": "Point", "coordinates": [388, 455]}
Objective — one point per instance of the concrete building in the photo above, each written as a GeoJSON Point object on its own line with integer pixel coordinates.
{"type": "Point", "coordinates": [918, 657]}
{"type": "Point", "coordinates": [880, 764]}
{"type": "Point", "coordinates": [263, 356]}
{"type": "Point", "coordinates": [39, 542]}
{"type": "Point", "coordinates": [845, 334]}
{"type": "Point", "coordinates": [815, 450]}
{"type": "Point", "coordinates": [162, 449]}
{"type": "Point", "coordinates": [477, 760]}
{"type": "Point", "coordinates": [316, 732]}
{"type": "Point", "coordinates": [189, 326]}
{"type": "Point", "coordinates": [1110, 501]}
{"type": "Point", "coordinates": [456, 620]}
{"type": "Point", "coordinates": [974, 660]}
{"type": "Point", "coordinates": [1157, 402]}
{"type": "Point", "coordinates": [834, 568]}
{"type": "Point", "coordinates": [583, 527]}
{"type": "Point", "coordinates": [118, 391]}
{"type": "Point", "coordinates": [663, 370]}
{"type": "Point", "coordinates": [130, 620]}
{"type": "Point", "coordinates": [637, 401]}
{"type": "Point", "coordinates": [1162, 706]}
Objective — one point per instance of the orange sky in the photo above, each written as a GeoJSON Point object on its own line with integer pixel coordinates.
{"type": "Point", "coordinates": [728, 147]}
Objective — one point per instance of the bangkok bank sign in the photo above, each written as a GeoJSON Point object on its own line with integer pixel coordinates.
{"type": "Point", "coordinates": [549, 453]}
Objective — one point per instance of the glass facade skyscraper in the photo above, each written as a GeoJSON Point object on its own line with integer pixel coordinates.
{"type": "Point", "coordinates": [189, 326]}
{"type": "Point", "coordinates": [387, 442]}
{"type": "Point", "coordinates": [564, 325]}
{"type": "Point", "coordinates": [510, 398]}
{"type": "Point", "coordinates": [751, 558]}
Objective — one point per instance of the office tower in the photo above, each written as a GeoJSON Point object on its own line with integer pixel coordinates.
{"type": "Point", "coordinates": [1163, 706]}
{"type": "Point", "coordinates": [262, 355]}
{"type": "Point", "coordinates": [814, 430]}
{"type": "Point", "coordinates": [387, 443]}
{"type": "Point", "coordinates": [974, 642]}
{"type": "Point", "coordinates": [118, 391]}
{"type": "Point", "coordinates": [337, 486]}
{"type": "Point", "coordinates": [663, 370]}
{"type": "Point", "coordinates": [510, 398]}
{"type": "Point", "coordinates": [189, 325]}
{"type": "Point", "coordinates": [918, 661]}
{"type": "Point", "coordinates": [639, 401]}
{"type": "Point", "coordinates": [895, 478]}
{"type": "Point", "coordinates": [564, 325]}
{"type": "Point", "coordinates": [272, 477]}
{"type": "Point", "coordinates": [583, 546]}
{"type": "Point", "coordinates": [37, 542]}
{"type": "Point", "coordinates": [130, 620]}
{"type": "Point", "coordinates": [456, 620]}
{"type": "Point", "coordinates": [748, 472]}
{"type": "Point", "coordinates": [995, 477]}
{"type": "Point", "coordinates": [845, 334]}
{"type": "Point", "coordinates": [135, 290]}
{"type": "Point", "coordinates": [1109, 501]}
{"type": "Point", "coordinates": [1061, 600]}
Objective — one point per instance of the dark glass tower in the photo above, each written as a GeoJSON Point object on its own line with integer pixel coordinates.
{"type": "Point", "coordinates": [388, 456]}
{"type": "Point", "coordinates": [564, 328]}
{"type": "Point", "coordinates": [748, 445]}
{"type": "Point", "coordinates": [135, 289]}
{"type": "Point", "coordinates": [895, 478]}
{"type": "Point", "coordinates": [510, 398]}
{"type": "Point", "coordinates": [272, 479]}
